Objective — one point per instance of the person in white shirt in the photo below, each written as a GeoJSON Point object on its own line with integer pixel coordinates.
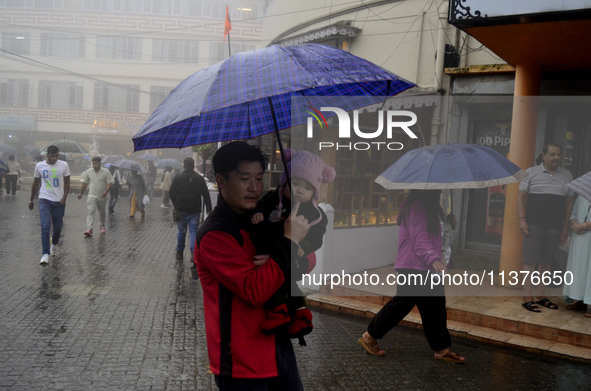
{"type": "Point", "coordinates": [100, 180]}
{"type": "Point", "coordinates": [52, 181]}
{"type": "Point", "coordinates": [12, 176]}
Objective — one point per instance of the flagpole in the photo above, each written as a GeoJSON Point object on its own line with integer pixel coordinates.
{"type": "Point", "coordinates": [227, 29]}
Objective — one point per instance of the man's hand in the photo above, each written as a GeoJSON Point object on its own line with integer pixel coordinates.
{"type": "Point", "coordinates": [31, 205]}
{"type": "Point", "coordinates": [523, 227]}
{"type": "Point", "coordinates": [105, 193]}
{"type": "Point", "coordinates": [564, 235]}
{"type": "Point", "coordinates": [257, 218]}
{"type": "Point", "coordinates": [260, 260]}
{"type": "Point", "coordinates": [295, 227]}
{"type": "Point", "coordinates": [438, 266]}
{"type": "Point", "coordinates": [80, 196]}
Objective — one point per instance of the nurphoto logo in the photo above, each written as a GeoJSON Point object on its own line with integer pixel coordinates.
{"type": "Point", "coordinates": [393, 119]}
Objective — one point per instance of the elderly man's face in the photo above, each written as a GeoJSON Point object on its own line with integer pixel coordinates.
{"type": "Point", "coordinates": [243, 187]}
{"type": "Point", "coordinates": [552, 158]}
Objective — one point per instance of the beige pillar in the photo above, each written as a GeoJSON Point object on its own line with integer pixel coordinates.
{"type": "Point", "coordinates": [521, 152]}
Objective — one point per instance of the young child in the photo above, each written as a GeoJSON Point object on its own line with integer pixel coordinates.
{"type": "Point", "coordinates": [307, 173]}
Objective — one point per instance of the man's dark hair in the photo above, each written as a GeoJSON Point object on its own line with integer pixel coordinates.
{"type": "Point", "coordinates": [52, 149]}
{"type": "Point", "coordinates": [188, 163]}
{"type": "Point", "coordinates": [551, 144]}
{"type": "Point", "coordinates": [96, 159]}
{"type": "Point", "coordinates": [11, 157]}
{"type": "Point", "coordinates": [228, 157]}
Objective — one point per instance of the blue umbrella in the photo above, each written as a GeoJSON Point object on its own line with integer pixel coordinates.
{"type": "Point", "coordinates": [450, 166]}
{"type": "Point", "coordinates": [582, 186]}
{"type": "Point", "coordinates": [129, 165]}
{"type": "Point", "coordinates": [8, 150]}
{"type": "Point", "coordinates": [148, 156]}
{"type": "Point", "coordinates": [169, 163]}
{"type": "Point", "coordinates": [250, 94]}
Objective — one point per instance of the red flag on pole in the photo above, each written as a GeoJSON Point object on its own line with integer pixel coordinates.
{"type": "Point", "coordinates": [228, 25]}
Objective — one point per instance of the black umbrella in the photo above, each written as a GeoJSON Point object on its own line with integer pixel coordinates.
{"type": "Point", "coordinates": [66, 146]}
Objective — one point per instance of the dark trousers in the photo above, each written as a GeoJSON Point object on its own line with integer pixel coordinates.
{"type": "Point", "coordinates": [431, 305]}
{"type": "Point", "coordinates": [50, 212]}
{"type": "Point", "coordinates": [287, 367]}
{"type": "Point", "coordinates": [114, 191]}
{"type": "Point", "coordinates": [11, 182]}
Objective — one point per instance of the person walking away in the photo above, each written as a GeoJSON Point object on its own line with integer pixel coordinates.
{"type": "Point", "coordinates": [166, 182]}
{"type": "Point", "coordinates": [137, 190]}
{"type": "Point", "coordinates": [286, 310]}
{"type": "Point", "coordinates": [12, 176]}
{"type": "Point", "coordinates": [115, 187]}
{"type": "Point", "coordinates": [186, 191]}
{"type": "Point", "coordinates": [544, 206]}
{"type": "Point", "coordinates": [100, 181]}
{"type": "Point", "coordinates": [152, 171]}
{"type": "Point", "coordinates": [420, 252]}
{"type": "Point", "coordinates": [52, 181]}
{"type": "Point", "coordinates": [241, 356]}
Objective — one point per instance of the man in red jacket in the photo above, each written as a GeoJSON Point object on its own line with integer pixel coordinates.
{"type": "Point", "coordinates": [237, 281]}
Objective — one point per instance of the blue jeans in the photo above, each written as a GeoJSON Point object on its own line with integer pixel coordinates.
{"type": "Point", "coordinates": [192, 220]}
{"type": "Point", "coordinates": [50, 211]}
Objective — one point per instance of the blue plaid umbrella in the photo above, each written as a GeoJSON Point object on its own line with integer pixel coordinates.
{"type": "Point", "coordinates": [450, 166]}
{"type": "Point", "coordinates": [582, 186]}
{"type": "Point", "coordinates": [249, 94]}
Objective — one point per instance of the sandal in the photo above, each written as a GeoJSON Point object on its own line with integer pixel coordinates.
{"type": "Point", "coordinates": [587, 314]}
{"type": "Point", "coordinates": [451, 357]}
{"type": "Point", "coordinates": [371, 348]}
{"type": "Point", "coordinates": [578, 306]}
{"type": "Point", "coordinates": [530, 306]}
{"type": "Point", "coordinates": [547, 303]}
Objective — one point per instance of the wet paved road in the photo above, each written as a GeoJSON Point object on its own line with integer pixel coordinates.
{"type": "Point", "coordinates": [117, 312]}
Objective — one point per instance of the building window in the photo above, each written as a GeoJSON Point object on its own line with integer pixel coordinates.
{"type": "Point", "coordinates": [219, 51]}
{"type": "Point", "coordinates": [63, 45]}
{"type": "Point", "coordinates": [60, 95]}
{"type": "Point", "coordinates": [14, 92]}
{"type": "Point", "coordinates": [157, 95]}
{"type": "Point", "coordinates": [121, 98]}
{"type": "Point", "coordinates": [17, 43]}
{"type": "Point", "coordinates": [174, 50]}
{"type": "Point", "coordinates": [119, 48]}
{"type": "Point", "coordinates": [358, 200]}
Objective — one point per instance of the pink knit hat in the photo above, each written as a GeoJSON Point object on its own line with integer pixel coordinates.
{"type": "Point", "coordinates": [305, 165]}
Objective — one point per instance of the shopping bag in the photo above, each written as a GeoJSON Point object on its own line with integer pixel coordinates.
{"type": "Point", "coordinates": [146, 200]}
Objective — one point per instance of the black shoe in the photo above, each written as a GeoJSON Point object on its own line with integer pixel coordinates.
{"type": "Point", "coordinates": [111, 211]}
{"type": "Point", "coordinates": [178, 255]}
{"type": "Point", "coordinates": [194, 274]}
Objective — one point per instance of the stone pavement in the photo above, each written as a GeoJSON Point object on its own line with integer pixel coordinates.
{"type": "Point", "coordinates": [117, 312]}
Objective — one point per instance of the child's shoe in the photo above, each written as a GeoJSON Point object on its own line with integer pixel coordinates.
{"type": "Point", "coordinates": [301, 324]}
{"type": "Point", "coordinates": [277, 319]}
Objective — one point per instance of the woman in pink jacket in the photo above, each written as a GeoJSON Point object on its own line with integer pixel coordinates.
{"type": "Point", "coordinates": [420, 248]}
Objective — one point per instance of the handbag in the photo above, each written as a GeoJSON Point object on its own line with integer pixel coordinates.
{"type": "Point", "coordinates": [146, 199]}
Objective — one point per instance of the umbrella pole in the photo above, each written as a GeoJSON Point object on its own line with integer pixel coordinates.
{"type": "Point", "coordinates": [279, 142]}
